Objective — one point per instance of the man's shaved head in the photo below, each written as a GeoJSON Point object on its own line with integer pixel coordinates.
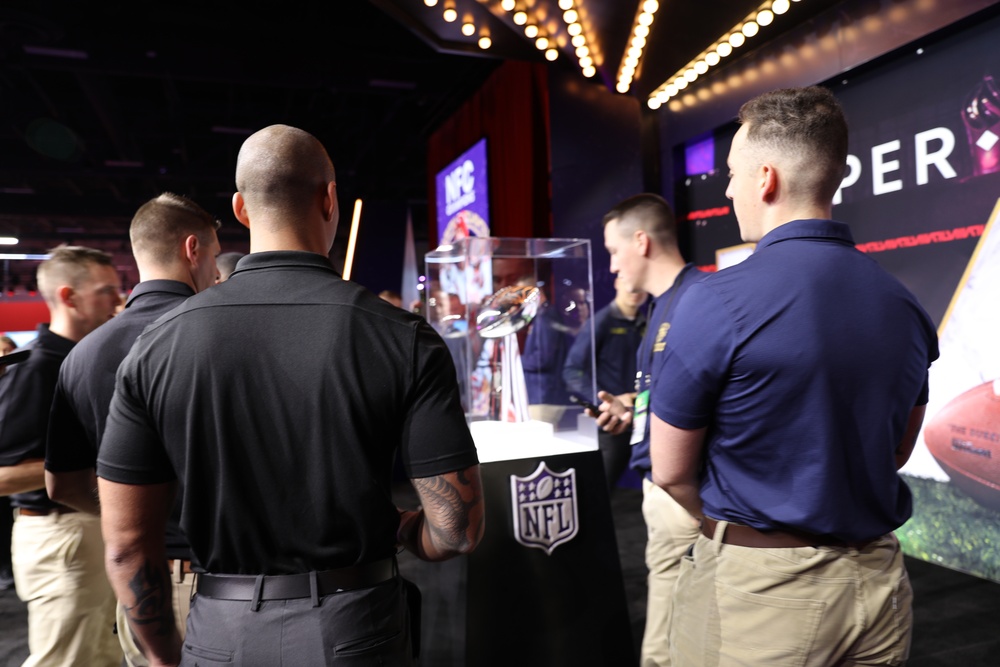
{"type": "Point", "coordinates": [282, 168]}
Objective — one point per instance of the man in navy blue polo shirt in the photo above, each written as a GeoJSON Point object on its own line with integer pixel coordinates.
{"type": "Point", "coordinates": [640, 234]}
{"type": "Point", "coordinates": [175, 244]}
{"type": "Point", "coordinates": [618, 330]}
{"type": "Point", "coordinates": [801, 386]}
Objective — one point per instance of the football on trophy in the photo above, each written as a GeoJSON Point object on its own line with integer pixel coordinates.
{"type": "Point", "coordinates": [508, 311]}
{"type": "Point", "coordinates": [964, 438]}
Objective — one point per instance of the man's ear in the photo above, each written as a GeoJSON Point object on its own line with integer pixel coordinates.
{"type": "Point", "coordinates": [191, 249]}
{"type": "Point", "coordinates": [768, 183]}
{"type": "Point", "coordinates": [331, 209]}
{"type": "Point", "coordinates": [641, 240]}
{"type": "Point", "coordinates": [65, 294]}
{"type": "Point", "coordinates": [240, 210]}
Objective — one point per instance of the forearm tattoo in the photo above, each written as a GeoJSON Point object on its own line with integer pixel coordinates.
{"type": "Point", "coordinates": [457, 519]}
{"type": "Point", "coordinates": [152, 591]}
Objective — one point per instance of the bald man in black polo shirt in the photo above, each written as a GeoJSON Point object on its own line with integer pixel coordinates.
{"type": "Point", "coordinates": [175, 244]}
{"type": "Point", "coordinates": [275, 403]}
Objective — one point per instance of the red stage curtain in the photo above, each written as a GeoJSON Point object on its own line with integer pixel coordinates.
{"type": "Point", "coordinates": [511, 110]}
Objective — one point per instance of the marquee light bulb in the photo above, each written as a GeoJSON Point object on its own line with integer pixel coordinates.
{"type": "Point", "coordinates": [639, 41]}
{"type": "Point", "coordinates": [430, 3]}
{"type": "Point", "coordinates": [589, 71]}
{"type": "Point", "coordinates": [780, 6]}
{"type": "Point", "coordinates": [622, 87]}
{"type": "Point", "coordinates": [690, 74]}
{"type": "Point", "coordinates": [750, 28]}
{"type": "Point", "coordinates": [507, 5]}
{"type": "Point", "coordinates": [765, 17]}
{"type": "Point", "coordinates": [551, 54]}
{"type": "Point", "coordinates": [645, 19]}
{"type": "Point", "coordinates": [737, 40]}
{"type": "Point", "coordinates": [641, 30]}
{"type": "Point", "coordinates": [574, 29]}
{"type": "Point", "coordinates": [565, 4]}
{"type": "Point", "coordinates": [520, 18]}
{"type": "Point", "coordinates": [650, 6]}
{"type": "Point", "coordinates": [701, 67]}
{"type": "Point", "coordinates": [468, 29]}
{"type": "Point", "coordinates": [570, 16]}
{"type": "Point", "coordinates": [531, 31]}
{"type": "Point", "coordinates": [485, 42]}
{"type": "Point", "coordinates": [582, 51]}
{"type": "Point", "coordinates": [450, 15]}
{"type": "Point", "coordinates": [724, 49]}
{"type": "Point", "coordinates": [542, 43]}
{"type": "Point", "coordinates": [712, 59]}
{"type": "Point", "coordinates": [653, 103]}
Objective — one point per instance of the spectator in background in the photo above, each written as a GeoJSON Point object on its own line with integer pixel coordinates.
{"type": "Point", "coordinates": [393, 297]}
{"type": "Point", "coordinates": [618, 330]}
{"type": "Point", "coordinates": [226, 262]}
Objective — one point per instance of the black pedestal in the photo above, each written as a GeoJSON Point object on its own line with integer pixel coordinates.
{"type": "Point", "coordinates": [512, 604]}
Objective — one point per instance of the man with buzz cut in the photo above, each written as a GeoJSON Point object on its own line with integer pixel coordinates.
{"type": "Point", "coordinates": [801, 383]}
{"type": "Point", "coordinates": [71, 610]}
{"type": "Point", "coordinates": [640, 234]}
{"type": "Point", "coordinates": [174, 243]}
{"type": "Point", "coordinates": [282, 449]}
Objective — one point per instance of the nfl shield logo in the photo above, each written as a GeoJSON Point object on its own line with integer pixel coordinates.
{"type": "Point", "coordinates": [544, 506]}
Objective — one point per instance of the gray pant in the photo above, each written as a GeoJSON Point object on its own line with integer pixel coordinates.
{"type": "Point", "coordinates": [369, 626]}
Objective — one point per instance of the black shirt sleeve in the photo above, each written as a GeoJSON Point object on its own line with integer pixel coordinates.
{"type": "Point", "coordinates": [436, 437]}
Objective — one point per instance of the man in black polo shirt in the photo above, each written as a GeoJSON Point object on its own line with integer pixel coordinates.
{"type": "Point", "coordinates": [70, 612]}
{"type": "Point", "coordinates": [175, 244]}
{"type": "Point", "coordinates": [274, 404]}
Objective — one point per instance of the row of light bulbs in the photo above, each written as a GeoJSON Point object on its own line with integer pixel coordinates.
{"type": "Point", "coordinates": [763, 16]}
{"type": "Point", "coordinates": [633, 55]}
{"type": "Point", "coordinates": [450, 14]}
{"type": "Point", "coordinates": [531, 30]}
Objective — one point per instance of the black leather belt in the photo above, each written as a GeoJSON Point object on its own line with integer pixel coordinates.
{"type": "Point", "coordinates": [294, 586]}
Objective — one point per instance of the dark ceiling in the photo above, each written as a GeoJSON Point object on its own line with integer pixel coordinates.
{"type": "Point", "coordinates": [105, 104]}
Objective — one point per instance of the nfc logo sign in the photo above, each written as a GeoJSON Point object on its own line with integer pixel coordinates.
{"type": "Point", "coordinates": [460, 182]}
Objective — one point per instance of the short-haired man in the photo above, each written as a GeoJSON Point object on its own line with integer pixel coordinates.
{"type": "Point", "coordinates": [174, 242]}
{"type": "Point", "coordinates": [640, 234]}
{"type": "Point", "coordinates": [618, 330]}
{"type": "Point", "coordinates": [71, 611]}
{"type": "Point", "coordinates": [227, 264]}
{"type": "Point", "coordinates": [275, 403]}
{"type": "Point", "coordinates": [804, 383]}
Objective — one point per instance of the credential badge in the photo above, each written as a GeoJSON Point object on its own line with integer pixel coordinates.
{"type": "Point", "coordinates": [544, 506]}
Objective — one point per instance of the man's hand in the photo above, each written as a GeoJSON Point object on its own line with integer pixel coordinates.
{"type": "Point", "coordinates": [615, 412]}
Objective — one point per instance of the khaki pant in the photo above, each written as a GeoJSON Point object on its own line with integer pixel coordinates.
{"type": "Point", "coordinates": [59, 572]}
{"type": "Point", "coordinates": [670, 531]}
{"type": "Point", "coordinates": [795, 607]}
{"type": "Point", "coordinates": [182, 584]}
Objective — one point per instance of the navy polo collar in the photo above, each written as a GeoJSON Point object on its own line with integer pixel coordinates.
{"type": "Point", "coordinates": [814, 228]}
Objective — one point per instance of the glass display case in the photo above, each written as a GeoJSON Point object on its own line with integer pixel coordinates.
{"type": "Point", "coordinates": [516, 315]}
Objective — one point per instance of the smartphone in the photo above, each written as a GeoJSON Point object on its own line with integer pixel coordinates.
{"type": "Point", "coordinates": [585, 403]}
